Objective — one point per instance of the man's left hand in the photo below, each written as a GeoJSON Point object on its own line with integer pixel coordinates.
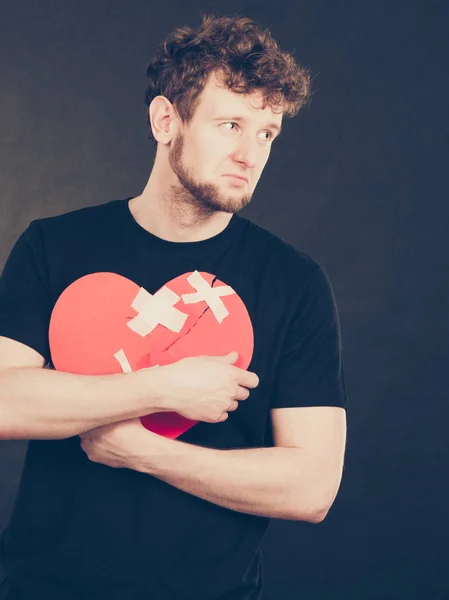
{"type": "Point", "coordinates": [125, 444]}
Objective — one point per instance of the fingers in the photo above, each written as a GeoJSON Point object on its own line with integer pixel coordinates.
{"type": "Point", "coordinates": [233, 406]}
{"type": "Point", "coordinates": [241, 393]}
{"type": "Point", "coordinates": [246, 378]}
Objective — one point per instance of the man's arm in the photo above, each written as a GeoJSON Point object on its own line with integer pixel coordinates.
{"type": "Point", "coordinates": [38, 403]}
{"type": "Point", "coordinates": [320, 432]}
{"type": "Point", "coordinates": [270, 482]}
{"type": "Point", "coordinates": [298, 479]}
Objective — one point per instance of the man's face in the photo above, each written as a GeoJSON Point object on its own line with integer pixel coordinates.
{"type": "Point", "coordinates": [229, 134]}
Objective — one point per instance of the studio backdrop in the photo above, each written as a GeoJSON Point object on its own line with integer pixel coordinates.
{"type": "Point", "coordinates": [358, 180]}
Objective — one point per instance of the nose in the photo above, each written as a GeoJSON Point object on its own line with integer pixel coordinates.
{"type": "Point", "coordinates": [246, 152]}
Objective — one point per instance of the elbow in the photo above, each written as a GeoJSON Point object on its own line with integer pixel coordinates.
{"type": "Point", "coordinates": [318, 516]}
{"type": "Point", "coordinates": [311, 516]}
{"type": "Point", "coordinates": [317, 509]}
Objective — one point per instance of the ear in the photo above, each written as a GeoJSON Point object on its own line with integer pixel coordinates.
{"type": "Point", "coordinates": [163, 118]}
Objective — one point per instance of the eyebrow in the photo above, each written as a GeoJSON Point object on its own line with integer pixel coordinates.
{"type": "Point", "coordinates": [274, 126]}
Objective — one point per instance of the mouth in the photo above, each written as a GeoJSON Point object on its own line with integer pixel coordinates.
{"type": "Point", "coordinates": [237, 178]}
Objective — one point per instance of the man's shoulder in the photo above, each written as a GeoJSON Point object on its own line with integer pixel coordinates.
{"type": "Point", "coordinates": [79, 217]}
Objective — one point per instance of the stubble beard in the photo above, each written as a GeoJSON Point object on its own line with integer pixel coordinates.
{"type": "Point", "coordinates": [203, 199]}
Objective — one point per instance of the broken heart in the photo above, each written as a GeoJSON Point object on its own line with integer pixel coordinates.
{"type": "Point", "coordinates": [104, 323]}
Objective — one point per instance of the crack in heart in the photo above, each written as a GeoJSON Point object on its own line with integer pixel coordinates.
{"type": "Point", "coordinates": [185, 334]}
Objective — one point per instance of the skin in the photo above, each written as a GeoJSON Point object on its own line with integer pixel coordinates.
{"type": "Point", "coordinates": [187, 196]}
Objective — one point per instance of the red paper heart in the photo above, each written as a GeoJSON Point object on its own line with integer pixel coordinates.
{"type": "Point", "coordinates": [88, 326]}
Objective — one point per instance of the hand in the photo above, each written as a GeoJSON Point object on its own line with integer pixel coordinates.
{"type": "Point", "coordinates": [125, 444]}
{"type": "Point", "coordinates": [205, 388]}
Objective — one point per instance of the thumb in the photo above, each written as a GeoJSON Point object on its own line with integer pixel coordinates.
{"type": "Point", "coordinates": [229, 358]}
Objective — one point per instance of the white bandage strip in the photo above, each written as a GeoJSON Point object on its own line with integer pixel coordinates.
{"type": "Point", "coordinates": [156, 309]}
{"type": "Point", "coordinates": [205, 292]}
{"type": "Point", "coordinates": [124, 362]}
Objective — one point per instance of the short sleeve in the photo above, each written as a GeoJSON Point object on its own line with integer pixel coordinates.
{"type": "Point", "coordinates": [24, 298]}
{"type": "Point", "coordinates": [310, 370]}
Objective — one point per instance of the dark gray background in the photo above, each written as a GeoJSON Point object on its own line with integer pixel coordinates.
{"type": "Point", "coordinates": [358, 180]}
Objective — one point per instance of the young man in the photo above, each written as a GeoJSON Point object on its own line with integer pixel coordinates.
{"type": "Point", "coordinates": [195, 386]}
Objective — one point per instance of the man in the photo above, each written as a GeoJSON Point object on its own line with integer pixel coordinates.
{"type": "Point", "coordinates": [156, 458]}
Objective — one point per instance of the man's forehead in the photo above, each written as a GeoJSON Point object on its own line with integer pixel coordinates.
{"type": "Point", "coordinates": [217, 99]}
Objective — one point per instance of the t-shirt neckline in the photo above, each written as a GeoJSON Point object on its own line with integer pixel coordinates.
{"type": "Point", "coordinates": [218, 241]}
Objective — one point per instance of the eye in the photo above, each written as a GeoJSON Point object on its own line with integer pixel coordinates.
{"type": "Point", "coordinates": [230, 123]}
{"type": "Point", "coordinates": [269, 138]}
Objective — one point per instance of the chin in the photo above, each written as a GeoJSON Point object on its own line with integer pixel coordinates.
{"type": "Point", "coordinates": [210, 198]}
{"type": "Point", "coordinates": [232, 205]}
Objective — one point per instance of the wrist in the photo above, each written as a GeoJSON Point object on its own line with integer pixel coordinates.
{"type": "Point", "coordinates": [151, 389]}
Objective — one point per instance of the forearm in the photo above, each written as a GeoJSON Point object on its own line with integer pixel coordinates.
{"type": "Point", "coordinates": [46, 404]}
{"type": "Point", "coordinates": [272, 482]}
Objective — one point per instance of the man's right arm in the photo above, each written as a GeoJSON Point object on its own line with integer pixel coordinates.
{"type": "Point", "coordinates": [39, 403]}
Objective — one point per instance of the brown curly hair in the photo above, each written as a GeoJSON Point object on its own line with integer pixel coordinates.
{"type": "Point", "coordinates": [247, 58]}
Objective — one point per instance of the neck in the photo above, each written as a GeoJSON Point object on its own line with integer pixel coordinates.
{"type": "Point", "coordinates": [166, 209]}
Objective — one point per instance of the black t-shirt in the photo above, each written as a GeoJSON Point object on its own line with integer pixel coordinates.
{"type": "Point", "coordinates": [82, 530]}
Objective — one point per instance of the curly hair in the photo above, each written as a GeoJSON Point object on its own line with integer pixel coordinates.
{"type": "Point", "coordinates": [246, 57]}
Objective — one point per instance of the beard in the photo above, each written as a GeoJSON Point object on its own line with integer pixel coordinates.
{"type": "Point", "coordinates": [204, 198]}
